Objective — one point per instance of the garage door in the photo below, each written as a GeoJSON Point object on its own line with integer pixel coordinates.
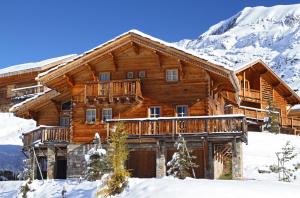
{"type": "Point", "coordinates": [142, 163]}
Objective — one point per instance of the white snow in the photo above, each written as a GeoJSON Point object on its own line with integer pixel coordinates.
{"type": "Point", "coordinates": [271, 34]}
{"type": "Point", "coordinates": [259, 154]}
{"type": "Point", "coordinates": [11, 128]}
{"type": "Point", "coordinates": [29, 67]}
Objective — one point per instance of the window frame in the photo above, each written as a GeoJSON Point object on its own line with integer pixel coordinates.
{"type": "Point", "coordinates": [170, 77]}
{"type": "Point", "coordinates": [102, 113]}
{"type": "Point", "coordinates": [87, 116]}
{"type": "Point", "coordinates": [144, 75]}
{"type": "Point", "coordinates": [182, 106]}
{"type": "Point", "coordinates": [130, 73]}
{"type": "Point", "coordinates": [104, 73]}
{"type": "Point", "coordinates": [155, 113]}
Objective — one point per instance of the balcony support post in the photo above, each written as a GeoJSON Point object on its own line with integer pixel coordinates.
{"type": "Point", "coordinates": [160, 160]}
{"type": "Point", "coordinates": [50, 162]}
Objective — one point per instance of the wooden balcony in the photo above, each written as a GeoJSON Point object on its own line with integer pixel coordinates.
{"type": "Point", "coordinates": [116, 91]}
{"type": "Point", "coordinates": [261, 114]}
{"type": "Point", "coordinates": [220, 125]}
{"type": "Point", "coordinates": [250, 94]}
{"type": "Point", "coordinates": [26, 92]}
{"type": "Point", "coordinates": [47, 135]}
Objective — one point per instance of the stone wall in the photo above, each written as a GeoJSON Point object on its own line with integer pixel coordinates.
{"type": "Point", "coordinates": [237, 160]}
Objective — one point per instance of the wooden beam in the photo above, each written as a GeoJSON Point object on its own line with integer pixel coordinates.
{"type": "Point", "coordinates": [276, 85]}
{"type": "Point", "coordinates": [244, 83]}
{"type": "Point", "coordinates": [156, 53]}
{"type": "Point", "coordinates": [114, 60]}
{"type": "Point", "coordinates": [135, 47]}
{"type": "Point", "coordinates": [264, 72]}
{"type": "Point", "coordinates": [92, 70]}
{"type": "Point", "coordinates": [181, 65]}
{"type": "Point", "coordinates": [69, 80]}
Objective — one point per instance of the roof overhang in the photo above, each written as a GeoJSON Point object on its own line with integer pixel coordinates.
{"type": "Point", "coordinates": [292, 98]}
{"type": "Point", "coordinates": [141, 39]}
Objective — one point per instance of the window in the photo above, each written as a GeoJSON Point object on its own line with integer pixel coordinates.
{"type": "Point", "coordinates": [65, 121]}
{"type": "Point", "coordinates": [91, 116]}
{"type": "Point", "coordinates": [130, 75]}
{"type": "Point", "coordinates": [105, 76]}
{"type": "Point", "coordinates": [106, 113]}
{"type": "Point", "coordinates": [66, 106]}
{"type": "Point", "coordinates": [172, 74]}
{"type": "Point", "coordinates": [154, 112]}
{"type": "Point", "coordinates": [181, 110]}
{"type": "Point", "coordinates": [142, 74]}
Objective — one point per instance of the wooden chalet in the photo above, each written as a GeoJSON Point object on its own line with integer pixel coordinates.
{"type": "Point", "coordinates": [258, 86]}
{"type": "Point", "coordinates": [155, 89]}
{"type": "Point", "coordinates": [18, 83]}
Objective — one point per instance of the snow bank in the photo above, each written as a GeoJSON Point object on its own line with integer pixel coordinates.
{"type": "Point", "coordinates": [11, 128]}
{"type": "Point", "coordinates": [260, 154]}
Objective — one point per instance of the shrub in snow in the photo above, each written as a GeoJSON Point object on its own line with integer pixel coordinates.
{"type": "Point", "coordinates": [273, 117]}
{"type": "Point", "coordinates": [286, 154]}
{"type": "Point", "coordinates": [117, 155]}
{"type": "Point", "coordinates": [27, 171]}
{"type": "Point", "coordinates": [181, 164]}
{"type": "Point", "coordinates": [96, 161]}
{"type": "Point", "coordinates": [25, 188]}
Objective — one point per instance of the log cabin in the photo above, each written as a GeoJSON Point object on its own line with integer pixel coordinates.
{"type": "Point", "coordinates": [17, 83]}
{"type": "Point", "coordinates": [156, 89]}
{"type": "Point", "coordinates": [259, 86]}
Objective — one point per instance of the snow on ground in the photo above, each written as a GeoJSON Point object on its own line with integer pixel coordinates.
{"type": "Point", "coordinates": [156, 188]}
{"type": "Point", "coordinates": [259, 154]}
{"type": "Point", "coordinates": [11, 128]}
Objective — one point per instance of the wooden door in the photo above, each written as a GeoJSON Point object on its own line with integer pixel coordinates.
{"type": "Point", "coordinates": [142, 163]}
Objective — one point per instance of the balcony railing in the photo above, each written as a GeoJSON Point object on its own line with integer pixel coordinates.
{"type": "Point", "coordinates": [111, 91]}
{"type": "Point", "coordinates": [261, 114]}
{"type": "Point", "coordinates": [250, 93]}
{"type": "Point", "coordinates": [188, 125]}
{"type": "Point", "coordinates": [47, 135]}
{"type": "Point", "coordinates": [26, 92]}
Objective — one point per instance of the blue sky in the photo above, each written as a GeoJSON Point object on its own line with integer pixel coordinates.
{"type": "Point", "coordinates": [34, 30]}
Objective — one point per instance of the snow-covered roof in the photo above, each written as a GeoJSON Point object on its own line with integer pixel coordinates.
{"type": "Point", "coordinates": [16, 106]}
{"type": "Point", "coordinates": [172, 45]}
{"type": "Point", "coordinates": [34, 66]}
{"type": "Point", "coordinates": [240, 67]}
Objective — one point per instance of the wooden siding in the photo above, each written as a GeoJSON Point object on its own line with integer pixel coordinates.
{"type": "Point", "coordinates": [192, 89]}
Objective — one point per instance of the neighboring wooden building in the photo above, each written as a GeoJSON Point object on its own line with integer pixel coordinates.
{"type": "Point", "coordinates": [258, 86]}
{"type": "Point", "coordinates": [18, 83]}
{"type": "Point", "coordinates": [156, 89]}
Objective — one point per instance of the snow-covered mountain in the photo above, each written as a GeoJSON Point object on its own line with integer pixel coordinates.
{"type": "Point", "coordinates": [269, 33]}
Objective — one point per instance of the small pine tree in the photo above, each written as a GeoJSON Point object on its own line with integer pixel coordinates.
{"type": "Point", "coordinates": [27, 170]}
{"type": "Point", "coordinates": [273, 124]}
{"type": "Point", "coordinates": [117, 155]}
{"type": "Point", "coordinates": [181, 164]}
{"type": "Point", "coordinates": [97, 161]}
{"type": "Point", "coordinates": [286, 154]}
{"type": "Point", "coordinates": [26, 175]}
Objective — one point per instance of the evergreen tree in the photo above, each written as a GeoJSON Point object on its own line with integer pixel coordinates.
{"type": "Point", "coordinates": [117, 155]}
{"type": "Point", "coordinates": [273, 124]}
{"type": "Point", "coordinates": [27, 176]}
{"type": "Point", "coordinates": [97, 161]}
{"type": "Point", "coordinates": [181, 164]}
{"type": "Point", "coordinates": [286, 154]}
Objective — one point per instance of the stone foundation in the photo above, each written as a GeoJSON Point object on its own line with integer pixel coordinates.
{"type": "Point", "coordinates": [237, 160]}
{"type": "Point", "coordinates": [50, 162]}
